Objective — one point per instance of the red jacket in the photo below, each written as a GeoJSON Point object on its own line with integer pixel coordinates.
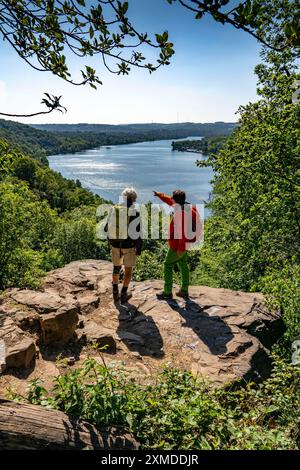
{"type": "Point", "coordinates": [180, 225]}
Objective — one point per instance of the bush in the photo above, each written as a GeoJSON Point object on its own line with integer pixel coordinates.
{"type": "Point", "coordinates": [282, 287]}
{"type": "Point", "coordinates": [178, 411]}
{"type": "Point", "coordinates": [75, 236]}
{"type": "Point", "coordinates": [148, 266]}
{"type": "Point", "coordinates": [26, 224]}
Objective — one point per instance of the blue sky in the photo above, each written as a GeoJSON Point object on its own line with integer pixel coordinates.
{"type": "Point", "coordinates": [211, 74]}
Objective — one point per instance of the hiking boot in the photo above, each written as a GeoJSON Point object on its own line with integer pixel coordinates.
{"type": "Point", "coordinates": [115, 293]}
{"type": "Point", "coordinates": [164, 296]}
{"type": "Point", "coordinates": [183, 294]}
{"type": "Point", "coordinates": [125, 296]}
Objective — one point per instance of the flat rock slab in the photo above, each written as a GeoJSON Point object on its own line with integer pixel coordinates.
{"type": "Point", "coordinates": [80, 276]}
{"type": "Point", "coordinates": [43, 302]}
{"type": "Point", "coordinates": [184, 336]}
{"type": "Point", "coordinates": [218, 334]}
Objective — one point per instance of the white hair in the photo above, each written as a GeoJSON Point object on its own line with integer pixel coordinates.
{"type": "Point", "coordinates": [129, 193]}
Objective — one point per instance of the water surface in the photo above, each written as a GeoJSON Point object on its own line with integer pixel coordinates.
{"type": "Point", "coordinates": [147, 166]}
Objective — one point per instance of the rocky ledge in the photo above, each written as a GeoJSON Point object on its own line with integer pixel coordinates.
{"type": "Point", "coordinates": [218, 334]}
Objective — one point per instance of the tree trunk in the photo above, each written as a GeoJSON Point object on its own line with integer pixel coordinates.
{"type": "Point", "coordinates": [29, 427]}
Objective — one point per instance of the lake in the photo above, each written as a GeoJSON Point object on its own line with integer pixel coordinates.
{"type": "Point", "coordinates": [147, 166]}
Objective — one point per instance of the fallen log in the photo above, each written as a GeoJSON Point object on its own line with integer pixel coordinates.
{"type": "Point", "coordinates": [31, 427]}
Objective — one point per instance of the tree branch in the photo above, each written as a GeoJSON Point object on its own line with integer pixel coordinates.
{"type": "Point", "coordinates": [51, 102]}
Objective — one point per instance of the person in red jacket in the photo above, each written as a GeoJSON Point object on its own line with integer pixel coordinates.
{"type": "Point", "coordinates": [185, 229]}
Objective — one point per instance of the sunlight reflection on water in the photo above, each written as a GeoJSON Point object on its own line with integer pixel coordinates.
{"type": "Point", "coordinates": [147, 166]}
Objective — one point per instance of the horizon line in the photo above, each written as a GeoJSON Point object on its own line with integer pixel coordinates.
{"type": "Point", "coordinates": [128, 124]}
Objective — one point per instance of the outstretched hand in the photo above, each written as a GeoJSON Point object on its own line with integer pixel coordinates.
{"type": "Point", "coordinates": [155, 193]}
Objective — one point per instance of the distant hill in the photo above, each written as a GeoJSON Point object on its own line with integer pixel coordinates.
{"type": "Point", "coordinates": [40, 140]}
{"type": "Point", "coordinates": [173, 130]}
{"type": "Point", "coordinates": [39, 143]}
{"type": "Point", "coordinates": [24, 138]}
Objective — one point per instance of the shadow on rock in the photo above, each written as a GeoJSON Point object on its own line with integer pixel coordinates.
{"type": "Point", "coordinates": [71, 350]}
{"type": "Point", "coordinates": [211, 330]}
{"type": "Point", "coordinates": [139, 332]}
{"type": "Point", "coordinates": [20, 373]}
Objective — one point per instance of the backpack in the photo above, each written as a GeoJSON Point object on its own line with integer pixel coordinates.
{"type": "Point", "coordinates": [195, 224]}
{"type": "Point", "coordinates": [118, 223]}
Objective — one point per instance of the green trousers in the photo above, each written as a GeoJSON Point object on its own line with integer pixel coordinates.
{"type": "Point", "coordinates": [170, 261]}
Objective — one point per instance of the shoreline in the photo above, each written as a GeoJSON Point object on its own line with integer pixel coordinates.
{"type": "Point", "coordinates": [110, 146]}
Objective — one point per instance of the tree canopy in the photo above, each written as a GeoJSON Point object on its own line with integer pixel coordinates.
{"type": "Point", "coordinates": [252, 238]}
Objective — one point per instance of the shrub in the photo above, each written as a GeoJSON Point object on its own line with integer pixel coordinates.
{"type": "Point", "coordinates": [282, 287]}
{"type": "Point", "coordinates": [25, 226]}
{"type": "Point", "coordinates": [178, 411]}
{"type": "Point", "coordinates": [75, 236]}
{"type": "Point", "coordinates": [147, 267]}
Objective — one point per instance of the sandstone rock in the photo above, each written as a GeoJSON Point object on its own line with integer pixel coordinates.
{"type": "Point", "coordinates": [136, 355]}
{"type": "Point", "coordinates": [20, 354]}
{"type": "Point", "coordinates": [59, 327]}
{"type": "Point", "coordinates": [25, 319]}
{"type": "Point", "coordinates": [103, 337]}
{"type": "Point", "coordinates": [80, 276]}
{"type": "Point", "coordinates": [2, 356]}
{"type": "Point", "coordinates": [219, 334]}
{"type": "Point", "coordinates": [80, 324]}
{"type": "Point", "coordinates": [131, 338]}
{"type": "Point", "coordinates": [19, 349]}
{"type": "Point", "coordinates": [87, 303]}
{"type": "Point", "coordinates": [43, 302]}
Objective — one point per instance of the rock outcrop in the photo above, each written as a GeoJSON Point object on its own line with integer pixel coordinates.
{"type": "Point", "coordinates": [18, 349]}
{"type": "Point", "coordinates": [218, 334]}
